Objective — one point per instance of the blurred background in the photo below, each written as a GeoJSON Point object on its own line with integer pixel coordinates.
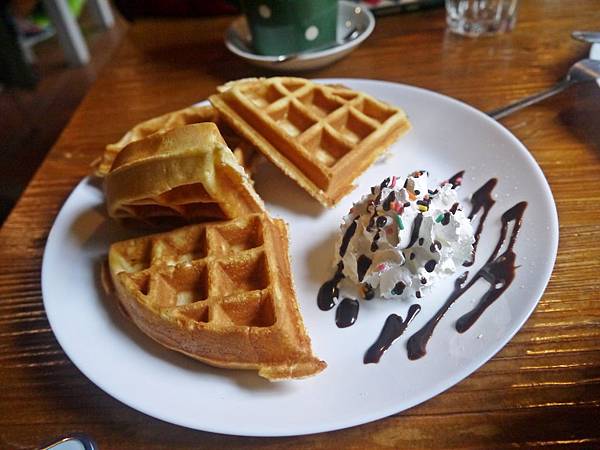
{"type": "Point", "coordinates": [49, 57]}
{"type": "Point", "coordinates": [51, 51]}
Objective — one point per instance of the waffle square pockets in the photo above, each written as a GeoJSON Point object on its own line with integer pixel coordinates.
{"type": "Point", "coordinates": [218, 292]}
{"type": "Point", "coordinates": [321, 136]}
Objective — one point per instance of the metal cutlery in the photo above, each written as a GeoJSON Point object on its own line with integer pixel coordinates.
{"type": "Point", "coordinates": [592, 37]}
{"type": "Point", "coordinates": [584, 70]}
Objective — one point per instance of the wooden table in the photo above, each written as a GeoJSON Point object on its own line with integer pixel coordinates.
{"type": "Point", "coordinates": [542, 389]}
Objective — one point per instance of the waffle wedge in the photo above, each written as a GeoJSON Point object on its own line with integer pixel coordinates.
{"type": "Point", "coordinates": [219, 292]}
{"type": "Point", "coordinates": [243, 151]}
{"type": "Point", "coordinates": [321, 136]}
{"type": "Point", "coordinates": [184, 175]}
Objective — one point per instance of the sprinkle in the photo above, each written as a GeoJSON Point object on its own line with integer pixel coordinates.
{"type": "Point", "coordinates": [411, 196]}
{"type": "Point", "coordinates": [380, 267]}
{"type": "Point", "coordinates": [439, 218]}
{"type": "Point", "coordinates": [399, 222]}
{"type": "Point", "coordinates": [446, 219]}
{"type": "Point", "coordinates": [423, 208]}
{"type": "Point", "coordinates": [398, 207]}
{"type": "Point", "coordinates": [393, 181]}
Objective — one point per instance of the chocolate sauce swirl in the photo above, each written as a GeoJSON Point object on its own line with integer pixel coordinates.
{"type": "Point", "coordinates": [498, 271]}
{"type": "Point", "coordinates": [346, 313]}
{"type": "Point", "coordinates": [330, 290]}
{"type": "Point", "coordinates": [417, 343]}
{"type": "Point", "coordinates": [456, 179]}
{"type": "Point", "coordinates": [374, 244]}
{"type": "Point", "coordinates": [347, 236]}
{"type": "Point", "coordinates": [414, 235]}
{"type": "Point", "coordinates": [362, 265]}
{"type": "Point", "coordinates": [481, 199]}
{"type": "Point", "coordinates": [393, 328]}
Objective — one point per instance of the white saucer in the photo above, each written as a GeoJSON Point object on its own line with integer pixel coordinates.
{"type": "Point", "coordinates": [349, 16]}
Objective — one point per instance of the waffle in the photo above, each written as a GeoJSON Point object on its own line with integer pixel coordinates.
{"type": "Point", "coordinates": [177, 177]}
{"type": "Point", "coordinates": [321, 136]}
{"type": "Point", "coordinates": [243, 151]}
{"type": "Point", "coordinates": [219, 292]}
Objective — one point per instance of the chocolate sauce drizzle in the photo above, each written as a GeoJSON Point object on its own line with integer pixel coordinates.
{"type": "Point", "coordinates": [374, 244]}
{"type": "Point", "coordinates": [482, 198]}
{"type": "Point", "coordinates": [362, 265]}
{"type": "Point", "coordinates": [498, 271]}
{"type": "Point", "coordinates": [456, 179]}
{"type": "Point", "coordinates": [346, 313]}
{"type": "Point", "coordinates": [417, 343]}
{"type": "Point", "coordinates": [415, 231]}
{"type": "Point", "coordinates": [347, 236]}
{"type": "Point", "coordinates": [330, 289]}
{"type": "Point", "coordinates": [393, 328]}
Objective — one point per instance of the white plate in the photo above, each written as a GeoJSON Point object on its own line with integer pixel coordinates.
{"type": "Point", "coordinates": [350, 15]}
{"type": "Point", "coordinates": [447, 136]}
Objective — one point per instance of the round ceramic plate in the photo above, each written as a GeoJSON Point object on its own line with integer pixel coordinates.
{"type": "Point", "coordinates": [350, 16]}
{"type": "Point", "coordinates": [447, 136]}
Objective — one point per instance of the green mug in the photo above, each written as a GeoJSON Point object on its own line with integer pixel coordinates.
{"type": "Point", "coordinates": [281, 27]}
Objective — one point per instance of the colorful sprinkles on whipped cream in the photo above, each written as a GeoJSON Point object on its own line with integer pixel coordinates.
{"type": "Point", "coordinates": [404, 236]}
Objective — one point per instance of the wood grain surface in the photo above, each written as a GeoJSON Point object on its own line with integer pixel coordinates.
{"type": "Point", "coordinates": [541, 390]}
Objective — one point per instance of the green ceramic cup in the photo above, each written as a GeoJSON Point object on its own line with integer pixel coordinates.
{"type": "Point", "coordinates": [280, 27]}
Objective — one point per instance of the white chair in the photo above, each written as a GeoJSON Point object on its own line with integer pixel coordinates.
{"type": "Point", "coordinates": [68, 31]}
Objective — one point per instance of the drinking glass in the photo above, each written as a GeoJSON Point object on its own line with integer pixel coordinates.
{"type": "Point", "coordinates": [480, 17]}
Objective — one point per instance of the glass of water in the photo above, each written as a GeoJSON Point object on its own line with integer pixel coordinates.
{"type": "Point", "coordinates": [480, 17]}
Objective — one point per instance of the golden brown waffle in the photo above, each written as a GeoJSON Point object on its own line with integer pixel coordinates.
{"type": "Point", "coordinates": [184, 175]}
{"type": "Point", "coordinates": [221, 293]}
{"type": "Point", "coordinates": [321, 136]}
{"type": "Point", "coordinates": [243, 151]}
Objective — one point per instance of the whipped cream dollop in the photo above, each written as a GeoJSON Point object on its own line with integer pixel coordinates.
{"type": "Point", "coordinates": [397, 241]}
